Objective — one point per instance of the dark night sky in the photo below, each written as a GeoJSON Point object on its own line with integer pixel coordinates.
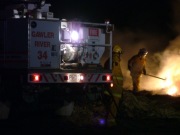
{"type": "Point", "coordinates": [148, 15]}
{"type": "Point", "coordinates": [135, 14]}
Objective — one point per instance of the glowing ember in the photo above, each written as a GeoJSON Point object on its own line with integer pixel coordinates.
{"type": "Point", "coordinates": [172, 90]}
{"type": "Point", "coordinates": [172, 70]}
{"type": "Point", "coordinates": [170, 86]}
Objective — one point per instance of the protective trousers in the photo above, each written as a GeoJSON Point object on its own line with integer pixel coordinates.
{"type": "Point", "coordinates": [117, 88]}
{"type": "Point", "coordinates": [136, 81]}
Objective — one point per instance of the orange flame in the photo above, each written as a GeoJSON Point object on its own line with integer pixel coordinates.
{"type": "Point", "coordinates": [171, 85]}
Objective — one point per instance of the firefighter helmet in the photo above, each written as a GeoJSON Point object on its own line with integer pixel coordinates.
{"type": "Point", "coordinates": [117, 49]}
{"type": "Point", "coordinates": [143, 51]}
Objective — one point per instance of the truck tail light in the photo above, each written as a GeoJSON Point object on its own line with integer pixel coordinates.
{"type": "Point", "coordinates": [35, 77]}
{"type": "Point", "coordinates": [106, 78]}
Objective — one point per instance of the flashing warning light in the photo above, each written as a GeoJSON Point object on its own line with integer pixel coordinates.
{"type": "Point", "coordinates": [74, 35]}
{"type": "Point", "coordinates": [35, 77]}
{"type": "Point", "coordinates": [111, 85]}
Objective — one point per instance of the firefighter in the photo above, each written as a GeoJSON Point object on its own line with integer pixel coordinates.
{"type": "Point", "coordinates": [116, 90]}
{"type": "Point", "coordinates": [137, 67]}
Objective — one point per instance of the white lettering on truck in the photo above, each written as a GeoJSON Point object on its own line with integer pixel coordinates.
{"type": "Point", "coordinates": [42, 44]}
{"type": "Point", "coordinates": [42, 40]}
{"type": "Point", "coordinates": [42, 34]}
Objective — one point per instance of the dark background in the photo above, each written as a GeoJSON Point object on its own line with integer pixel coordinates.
{"type": "Point", "coordinates": [148, 15]}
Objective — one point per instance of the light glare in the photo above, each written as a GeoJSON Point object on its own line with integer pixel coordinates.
{"type": "Point", "coordinates": [74, 35]}
{"type": "Point", "coordinates": [108, 78]}
{"type": "Point", "coordinates": [111, 85]}
{"type": "Point", "coordinates": [81, 77]}
{"type": "Point", "coordinates": [36, 78]}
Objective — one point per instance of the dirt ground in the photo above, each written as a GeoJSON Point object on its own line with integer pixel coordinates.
{"type": "Point", "coordinates": [142, 113]}
{"type": "Point", "coordinates": [52, 125]}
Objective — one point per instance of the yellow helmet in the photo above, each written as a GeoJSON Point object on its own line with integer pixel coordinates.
{"type": "Point", "coordinates": [117, 49]}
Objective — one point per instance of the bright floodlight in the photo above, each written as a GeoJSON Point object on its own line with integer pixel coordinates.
{"type": "Point", "coordinates": [74, 35]}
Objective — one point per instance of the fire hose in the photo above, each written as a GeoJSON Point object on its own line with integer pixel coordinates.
{"type": "Point", "coordinates": [156, 77]}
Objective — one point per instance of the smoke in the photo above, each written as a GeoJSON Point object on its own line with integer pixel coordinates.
{"type": "Point", "coordinates": [170, 65]}
{"type": "Point", "coordinates": [168, 61]}
{"type": "Point", "coordinates": [163, 57]}
{"type": "Point", "coordinates": [131, 42]}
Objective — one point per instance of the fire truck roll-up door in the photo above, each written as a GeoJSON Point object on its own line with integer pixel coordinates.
{"type": "Point", "coordinates": [44, 44]}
